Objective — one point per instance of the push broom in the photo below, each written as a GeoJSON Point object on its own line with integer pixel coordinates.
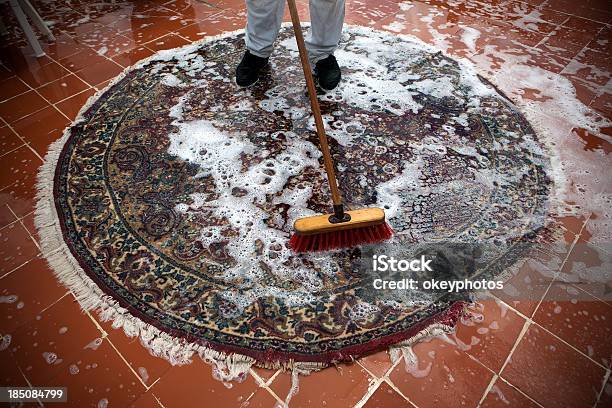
{"type": "Point", "coordinates": [341, 229]}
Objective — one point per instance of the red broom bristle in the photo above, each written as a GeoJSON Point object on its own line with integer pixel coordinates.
{"type": "Point", "coordinates": [341, 239]}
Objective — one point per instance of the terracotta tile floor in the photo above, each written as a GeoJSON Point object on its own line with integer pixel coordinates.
{"type": "Point", "coordinates": [548, 350]}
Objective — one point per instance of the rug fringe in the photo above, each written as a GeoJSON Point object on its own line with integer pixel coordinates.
{"type": "Point", "coordinates": [404, 348]}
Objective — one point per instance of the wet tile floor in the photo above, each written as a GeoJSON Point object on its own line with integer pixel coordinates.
{"type": "Point", "coordinates": [537, 352]}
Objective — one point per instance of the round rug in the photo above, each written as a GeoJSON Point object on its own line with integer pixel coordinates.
{"type": "Point", "coordinates": [169, 203]}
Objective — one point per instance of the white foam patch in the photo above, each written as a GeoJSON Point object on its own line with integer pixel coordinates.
{"type": "Point", "coordinates": [370, 84]}
{"type": "Point", "coordinates": [408, 181]}
{"type": "Point", "coordinates": [171, 80]}
{"type": "Point", "coordinates": [469, 36]}
{"type": "Point", "coordinates": [440, 88]}
{"type": "Point", "coordinates": [241, 194]}
{"type": "Point", "coordinates": [395, 26]}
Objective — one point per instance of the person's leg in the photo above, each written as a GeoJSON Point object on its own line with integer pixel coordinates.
{"type": "Point", "coordinates": [264, 18]}
{"type": "Point", "coordinates": [327, 18]}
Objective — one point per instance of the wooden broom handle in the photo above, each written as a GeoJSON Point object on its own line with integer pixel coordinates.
{"type": "Point", "coordinates": [314, 103]}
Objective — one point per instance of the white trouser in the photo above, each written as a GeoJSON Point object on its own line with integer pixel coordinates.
{"type": "Point", "coordinates": [264, 18]}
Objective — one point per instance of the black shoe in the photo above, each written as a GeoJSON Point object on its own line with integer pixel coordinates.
{"type": "Point", "coordinates": [328, 73]}
{"type": "Point", "coordinates": [247, 71]}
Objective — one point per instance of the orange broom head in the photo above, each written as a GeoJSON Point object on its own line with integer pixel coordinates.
{"type": "Point", "coordinates": [318, 233]}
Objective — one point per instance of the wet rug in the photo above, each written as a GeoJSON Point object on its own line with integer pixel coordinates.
{"type": "Point", "coordinates": [169, 203]}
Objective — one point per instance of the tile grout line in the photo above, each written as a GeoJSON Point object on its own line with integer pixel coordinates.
{"type": "Point", "coordinates": [600, 90]}
{"type": "Point", "coordinates": [25, 143]}
{"type": "Point", "coordinates": [266, 386]}
{"type": "Point", "coordinates": [12, 213]}
{"type": "Point", "coordinates": [91, 48]}
{"type": "Point", "coordinates": [391, 384]}
{"type": "Point", "coordinates": [26, 378]}
{"type": "Point", "coordinates": [93, 319]}
{"type": "Point", "coordinates": [19, 94]}
{"type": "Point", "coordinates": [372, 387]}
{"type": "Point", "coordinates": [67, 293]}
{"type": "Point", "coordinates": [24, 227]}
{"type": "Point", "coordinates": [273, 377]}
{"type": "Point", "coordinates": [155, 396]}
{"type": "Point", "coordinates": [533, 322]}
{"type": "Point", "coordinates": [498, 376]}
{"type": "Point", "coordinates": [44, 310]}
{"type": "Point", "coordinates": [520, 391]}
{"type": "Point", "coordinates": [279, 401]}
{"type": "Point", "coordinates": [41, 253]}
{"type": "Point", "coordinates": [358, 361]}
{"type": "Point", "coordinates": [574, 285]}
{"type": "Point", "coordinates": [127, 363]}
{"type": "Point", "coordinates": [6, 188]}
{"type": "Point", "coordinates": [554, 279]}
{"type": "Point", "coordinates": [595, 244]}
{"type": "Point", "coordinates": [7, 152]}
{"type": "Point", "coordinates": [258, 382]}
{"type": "Point", "coordinates": [15, 268]}
{"type": "Point", "coordinates": [488, 389]}
{"type": "Point", "coordinates": [38, 93]}
{"type": "Point", "coordinates": [603, 387]}
{"type": "Point", "coordinates": [184, 38]}
{"type": "Point", "coordinates": [70, 72]}
{"type": "Point", "coordinates": [394, 387]}
{"type": "Point", "coordinates": [384, 377]}
{"type": "Point", "coordinates": [257, 378]}
{"type": "Point", "coordinates": [156, 381]}
{"type": "Point", "coordinates": [50, 306]}
{"type": "Point", "coordinates": [39, 110]}
{"type": "Point", "coordinates": [104, 336]}
{"type": "Point", "coordinates": [552, 33]}
{"type": "Point", "coordinates": [537, 47]}
{"type": "Point", "coordinates": [50, 104]}
{"type": "Point", "coordinates": [515, 345]}
{"type": "Point", "coordinates": [120, 32]}
{"type": "Point", "coordinates": [19, 220]}
{"type": "Point", "coordinates": [563, 12]}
